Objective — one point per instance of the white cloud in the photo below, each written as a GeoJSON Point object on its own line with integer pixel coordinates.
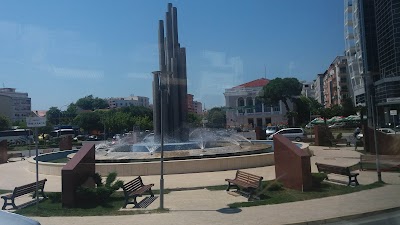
{"type": "Point", "coordinates": [144, 76]}
{"type": "Point", "coordinates": [73, 73]}
{"type": "Point", "coordinates": [219, 72]}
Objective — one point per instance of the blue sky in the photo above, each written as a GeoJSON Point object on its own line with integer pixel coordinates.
{"type": "Point", "coordinates": [59, 51]}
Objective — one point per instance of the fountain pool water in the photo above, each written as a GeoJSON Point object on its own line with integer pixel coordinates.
{"type": "Point", "coordinates": [202, 154]}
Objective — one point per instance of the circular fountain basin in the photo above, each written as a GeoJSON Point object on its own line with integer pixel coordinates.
{"type": "Point", "coordinates": [230, 157]}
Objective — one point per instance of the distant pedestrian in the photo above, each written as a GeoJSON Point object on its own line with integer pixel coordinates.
{"type": "Point", "coordinates": [357, 131]}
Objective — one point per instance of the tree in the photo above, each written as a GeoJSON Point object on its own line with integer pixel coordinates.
{"type": "Point", "coordinates": [4, 123]}
{"type": "Point", "coordinates": [348, 107]}
{"type": "Point", "coordinates": [283, 90]}
{"type": "Point", "coordinates": [216, 118]}
{"type": "Point", "coordinates": [53, 115]}
{"type": "Point", "coordinates": [91, 103]}
{"type": "Point", "coordinates": [89, 121]}
{"type": "Point", "coordinates": [194, 120]}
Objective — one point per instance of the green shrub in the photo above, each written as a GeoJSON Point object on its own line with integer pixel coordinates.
{"type": "Point", "coordinates": [317, 179]}
{"type": "Point", "coordinates": [275, 186]}
{"type": "Point", "coordinates": [339, 136]}
{"type": "Point", "coordinates": [101, 193]}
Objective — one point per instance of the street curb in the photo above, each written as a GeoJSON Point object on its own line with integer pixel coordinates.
{"type": "Point", "coordinates": [346, 218]}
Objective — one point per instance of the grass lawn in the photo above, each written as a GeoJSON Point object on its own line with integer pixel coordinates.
{"type": "Point", "coordinates": [290, 195]}
{"type": "Point", "coordinates": [4, 191]}
{"type": "Point", "coordinates": [52, 207]}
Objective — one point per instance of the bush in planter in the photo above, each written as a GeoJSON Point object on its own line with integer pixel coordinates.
{"type": "Point", "coordinates": [317, 179]}
{"type": "Point", "coordinates": [101, 193]}
{"type": "Point", "coordinates": [339, 136]}
{"type": "Point", "coordinates": [275, 186]}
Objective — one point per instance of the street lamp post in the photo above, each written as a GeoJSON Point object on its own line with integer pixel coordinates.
{"type": "Point", "coordinates": [374, 122]}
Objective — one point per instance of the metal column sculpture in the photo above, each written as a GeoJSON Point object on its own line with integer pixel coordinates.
{"type": "Point", "coordinates": [172, 76]}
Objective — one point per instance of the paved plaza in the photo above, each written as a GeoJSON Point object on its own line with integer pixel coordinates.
{"type": "Point", "coordinates": [196, 205]}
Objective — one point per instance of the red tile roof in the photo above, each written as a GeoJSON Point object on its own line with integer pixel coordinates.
{"type": "Point", "coordinates": [255, 83]}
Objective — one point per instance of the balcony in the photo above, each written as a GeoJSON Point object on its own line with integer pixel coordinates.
{"type": "Point", "coordinates": [348, 22]}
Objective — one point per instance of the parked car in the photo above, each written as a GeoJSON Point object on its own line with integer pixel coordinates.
{"type": "Point", "coordinates": [92, 138]}
{"type": "Point", "coordinates": [309, 125]}
{"type": "Point", "coordinates": [270, 130]}
{"type": "Point", "coordinates": [296, 134]}
{"type": "Point", "coordinates": [15, 219]}
{"type": "Point", "coordinates": [387, 130]}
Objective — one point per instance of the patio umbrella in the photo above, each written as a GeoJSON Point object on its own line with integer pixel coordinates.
{"type": "Point", "coordinates": [336, 119]}
{"type": "Point", "coordinates": [318, 120]}
{"type": "Point", "coordinates": [352, 118]}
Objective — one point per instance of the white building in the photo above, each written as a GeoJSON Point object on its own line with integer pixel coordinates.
{"type": "Point", "coordinates": [319, 88]}
{"type": "Point", "coordinates": [128, 101]}
{"type": "Point", "coordinates": [308, 89]}
{"type": "Point", "coordinates": [20, 106]}
{"type": "Point", "coordinates": [246, 110]}
{"type": "Point", "coordinates": [354, 49]}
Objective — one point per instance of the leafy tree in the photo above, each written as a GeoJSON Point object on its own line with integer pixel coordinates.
{"type": "Point", "coordinates": [91, 103]}
{"type": "Point", "coordinates": [326, 113]}
{"type": "Point", "coordinates": [20, 124]}
{"type": "Point", "coordinates": [4, 123]}
{"type": "Point", "coordinates": [89, 121]}
{"type": "Point", "coordinates": [348, 107]}
{"type": "Point", "coordinates": [216, 118]}
{"type": "Point", "coordinates": [53, 115]}
{"type": "Point", "coordinates": [194, 120]}
{"type": "Point", "coordinates": [283, 90]}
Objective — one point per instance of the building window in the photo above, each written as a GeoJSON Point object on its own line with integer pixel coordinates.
{"type": "Point", "coordinates": [258, 106]}
{"type": "Point", "coordinates": [240, 105]}
{"type": "Point", "coordinates": [249, 104]}
{"type": "Point", "coordinates": [276, 108]}
{"type": "Point", "coordinates": [267, 108]}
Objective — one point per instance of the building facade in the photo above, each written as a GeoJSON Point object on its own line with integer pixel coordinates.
{"type": "Point", "coordinates": [20, 104]}
{"type": "Point", "coordinates": [246, 110]}
{"type": "Point", "coordinates": [6, 106]}
{"type": "Point", "coordinates": [308, 89]}
{"type": "Point", "coordinates": [128, 101]}
{"type": "Point", "coordinates": [387, 81]}
{"type": "Point", "coordinates": [319, 88]}
{"type": "Point", "coordinates": [336, 82]}
{"type": "Point", "coordinates": [194, 106]}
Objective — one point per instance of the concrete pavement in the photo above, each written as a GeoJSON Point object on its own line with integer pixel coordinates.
{"type": "Point", "coordinates": [201, 206]}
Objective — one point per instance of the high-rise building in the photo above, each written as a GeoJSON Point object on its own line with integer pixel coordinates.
{"type": "Point", "coordinates": [336, 82]}
{"type": "Point", "coordinates": [20, 104]}
{"type": "Point", "coordinates": [361, 46]}
{"type": "Point", "coordinates": [387, 81]}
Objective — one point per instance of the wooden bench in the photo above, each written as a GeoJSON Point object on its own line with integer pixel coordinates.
{"type": "Point", "coordinates": [246, 182]}
{"type": "Point", "coordinates": [325, 168]}
{"type": "Point", "coordinates": [23, 190]}
{"type": "Point", "coordinates": [135, 188]}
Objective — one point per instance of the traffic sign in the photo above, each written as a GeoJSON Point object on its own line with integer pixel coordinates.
{"type": "Point", "coordinates": [35, 121]}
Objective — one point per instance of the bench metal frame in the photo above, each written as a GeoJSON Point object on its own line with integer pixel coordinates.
{"type": "Point", "coordinates": [135, 188]}
{"type": "Point", "coordinates": [245, 181]}
{"type": "Point", "coordinates": [23, 190]}
{"type": "Point", "coordinates": [340, 170]}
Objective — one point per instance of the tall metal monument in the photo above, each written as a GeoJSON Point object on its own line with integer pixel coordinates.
{"type": "Point", "coordinates": [170, 82]}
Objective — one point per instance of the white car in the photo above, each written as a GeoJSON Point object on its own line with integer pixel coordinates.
{"type": "Point", "coordinates": [8, 218]}
{"type": "Point", "coordinates": [296, 134]}
{"type": "Point", "coordinates": [387, 130]}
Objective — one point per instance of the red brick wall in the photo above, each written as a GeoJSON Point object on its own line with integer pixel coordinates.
{"type": "Point", "coordinates": [292, 164]}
